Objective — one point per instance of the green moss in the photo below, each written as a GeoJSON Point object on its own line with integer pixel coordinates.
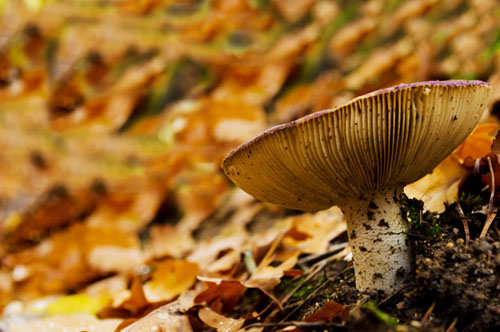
{"type": "Point", "coordinates": [308, 288]}
{"type": "Point", "coordinates": [411, 209]}
{"type": "Point", "coordinates": [434, 229]}
{"type": "Point", "coordinates": [305, 288]}
{"type": "Point", "coordinates": [470, 202]}
{"type": "Point", "coordinates": [385, 318]}
{"type": "Point", "coordinates": [425, 223]}
{"type": "Point", "coordinates": [287, 285]}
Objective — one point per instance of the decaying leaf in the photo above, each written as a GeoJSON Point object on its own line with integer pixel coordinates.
{"type": "Point", "coordinates": [170, 278]}
{"type": "Point", "coordinates": [329, 311]}
{"type": "Point", "coordinates": [219, 322]}
{"type": "Point", "coordinates": [267, 277]}
{"type": "Point", "coordinates": [115, 116]}
{"type": "Point", "coordinates": [220, 295]}
{"type": "Point", "coordinates": [167, 318]}
{"type": "Point", "coordinates": [440, 186]}
{"type": "Point", "coordinates": [311, 233]}
{"type": "Point", "coordinates": [479, 142]}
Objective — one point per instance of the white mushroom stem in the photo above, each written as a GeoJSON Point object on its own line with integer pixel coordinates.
{"type": "Point", "coordinates": [378, 236]}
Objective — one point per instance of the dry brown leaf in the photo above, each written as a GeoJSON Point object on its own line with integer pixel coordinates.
{"type": "Point", "coordinates": [316, 230]}
{"type": "Point", "coordinates": [133, 308]}
{"type": "Point", "coordinates": [204, 255]}
{"type": "Point", "coordinates": [170, 278]}
{"type": "Point", "coordinates": [219, 322]}
{"type": "Point", "coordinates": [293, 10]}
{"type": "Point", "coordinates": [115, 259]}
{"type": "Point", "coordinates": [329, 311]}
{"type": "Point", "coordinates": [166, 318]}
{"type": "Point", "coordinates": [267, 277]}
{"type": "Point", "coordinates": [61, 261]}
{"type": "Point", "coordinates": [220, 295]}
{"type": "Point", "coordinates": [438, 187]}
{"type": "Point", "coordinates": [137, 300]}
{"type": "Point", "coordinates": [57, 207]}
{"type": "Point", "coordinates": [170, 241]}
{"type": "Point", "coordinates": [442, 184]}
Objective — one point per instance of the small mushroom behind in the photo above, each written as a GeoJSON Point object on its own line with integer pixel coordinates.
{"type": "Point", "coordinates": [360, 156]}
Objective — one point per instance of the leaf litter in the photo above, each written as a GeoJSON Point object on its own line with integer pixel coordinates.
{"type": "Point", "coordinates": [115, 117]}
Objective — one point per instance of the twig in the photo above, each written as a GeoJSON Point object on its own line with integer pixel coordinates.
{"type": "Point", "coordinates": [249, 261]}
{"type": "Point", "coordinates": [491, 215]}
{"type": "Point", "coordinates": [489, 219]}
{"type": "Point", "coordinates": [309, 276]}
{"type": "Point", "coordinates": [465, 223]}
{"type": "Point", "coordinates": [318, 266]}
{"type": "Point", "coordinates": [452, 325]}
{"type": "Point", "coordinates": [427, 315]}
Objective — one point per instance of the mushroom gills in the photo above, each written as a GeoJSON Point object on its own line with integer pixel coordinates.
{"type": "Point", "coordinates": [378, 236]}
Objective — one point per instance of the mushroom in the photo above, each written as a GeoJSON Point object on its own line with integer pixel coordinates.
{"type": "Point", "coordinates": [359, 156]}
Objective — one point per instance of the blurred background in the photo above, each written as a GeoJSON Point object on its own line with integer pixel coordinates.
{"type": "Point", "coordinates": [115, 116]}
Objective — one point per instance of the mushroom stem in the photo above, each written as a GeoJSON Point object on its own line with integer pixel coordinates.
{"type": "Point", "coordinates": [378, 236]}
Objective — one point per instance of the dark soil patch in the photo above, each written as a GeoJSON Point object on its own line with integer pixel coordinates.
{"type": "Point", "coordinates": [455, 287]}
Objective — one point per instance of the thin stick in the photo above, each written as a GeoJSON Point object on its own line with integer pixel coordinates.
{"type": "Point", "coordinates": [491, 215]}
{"type": "Point", "coordinates": [487, 224]}
{"type": "Point", "coordinates": [315, 269]}
{"type": "Point", "coordinates": [452, 325]}
{"type": "Point", "coordinates": [309, 276]}
{"type": "Point", "coordinates": [466, 225]}
{"type": "Point", "coordinates": [427, 315]}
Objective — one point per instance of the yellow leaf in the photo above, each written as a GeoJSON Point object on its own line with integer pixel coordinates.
{"type": "Point", "coordinates": [77, 304]}
{"type": "Point", "coordinates": [171, 278]}
{"type": "Point", "coordinates": [438, 187]}
{"type": "Point", "coordinates": [478, 144]}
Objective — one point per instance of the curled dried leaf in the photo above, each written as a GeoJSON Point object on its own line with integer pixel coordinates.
{"type": "Point", "coordinates": [219, 322]}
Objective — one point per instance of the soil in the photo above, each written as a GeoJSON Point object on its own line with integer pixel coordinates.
{"type": "Point", "coordinates": [456, 285]}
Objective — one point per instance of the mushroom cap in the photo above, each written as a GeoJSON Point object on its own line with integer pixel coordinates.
{"type": "Point", "coordinates": [384, 139]}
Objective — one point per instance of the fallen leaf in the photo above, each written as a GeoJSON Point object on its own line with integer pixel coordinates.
{"type": "Point", "coordinates": [137, 301]}
{"type": "Point", "coordinates": [478, 144]}
{"type": "Point", "coordinates": [134, 306]}
{"type": "Point", "coordinates": [328, 312]}
{"type": "Point", "coordinates": [170, 278]}
{"type": "Point", "coordinates": [311, 232]}
{"type": "Point", "coordinates": [442, 184]}
{"type": "Point", "coordinates": [77, 304]}
{"type": "Point", "coordinates": [220, 295]}
{"type": "Point", "coordinates": [267, 277]}
{"type": "Point", "coordinates": [167, 318]}
{"type": "Point", "coordinates": [115, 259]}
{"type": "Point", "coordinates": [438, 187]}
{"type": "Point", "coordinates": [219, 322]}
